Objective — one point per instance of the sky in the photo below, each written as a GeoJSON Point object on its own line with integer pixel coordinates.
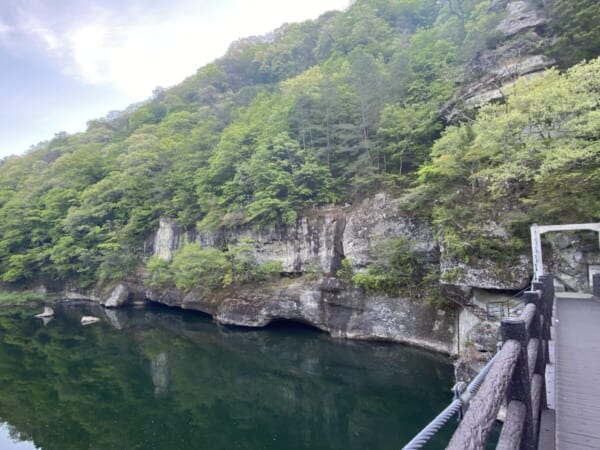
{"type": "Point", "coordinates": [64, 62]}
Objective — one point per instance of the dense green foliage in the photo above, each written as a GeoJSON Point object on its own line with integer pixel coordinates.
{"type": "Point", "coordinates": [398, 267]}
{"type": "Point", "coordinates": [209, 269]}
{"type": "Point", "coordinates": [575, 25]}
{"type": "Point", "coordinates": [319, 112]}
{"type": "Point", "coordinates": [535, 158]}
{"type": "Point", "coordinates": [21, 298]}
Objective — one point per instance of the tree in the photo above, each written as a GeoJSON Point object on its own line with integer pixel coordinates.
{"type": "Point", "coordinates": [575, 25]}
{"type": "Point", "coordinates": [198, 268]}
{"type": "Point", "coordinates": [511, 160]}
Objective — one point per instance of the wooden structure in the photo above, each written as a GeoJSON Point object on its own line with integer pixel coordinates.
{"type": "Point", "coordinates": [517, 376]}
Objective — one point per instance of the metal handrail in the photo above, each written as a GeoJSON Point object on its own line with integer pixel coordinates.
{"type": "Point", "coordinates": [458, 406]}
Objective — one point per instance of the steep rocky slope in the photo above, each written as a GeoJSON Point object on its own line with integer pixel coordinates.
{"type": "Point", "coordinates": [520, 51]}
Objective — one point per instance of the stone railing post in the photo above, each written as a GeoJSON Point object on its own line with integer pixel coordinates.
{"type": "Point", "coordinates": [519, 387]}
{"type": "Point", "coordinates": [536, 332]}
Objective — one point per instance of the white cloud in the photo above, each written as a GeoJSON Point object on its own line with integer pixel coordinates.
{"type": "Point", "coordinates": [5, 30]}
{"type": "Point", "coordinates": [30, 24]}
{"type": "Point", "coordinates": [142, 51]}
{"type": "Point", "coordinates": [6, 35]}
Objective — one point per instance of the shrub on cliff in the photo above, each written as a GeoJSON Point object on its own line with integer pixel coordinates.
{"type": "Point", "coordinates": [209, 269]}
{"type": "Point", "coordinates": [399, 268]}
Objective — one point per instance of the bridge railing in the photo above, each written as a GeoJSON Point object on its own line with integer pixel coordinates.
{"type": "Point", "coordinates": [503, 308]}
{"type": "Point", "coordinates": [516, 376]}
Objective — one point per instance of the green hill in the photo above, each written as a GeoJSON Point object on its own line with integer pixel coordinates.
{"type": "Point", "coordinates": [383, 96]}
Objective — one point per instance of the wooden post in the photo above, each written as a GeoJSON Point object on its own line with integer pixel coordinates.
{"type": "Point", "coordinates": [519, 387]}
{"type": "Point", "coordinates": [473, 430]}
{"type": "Point", "coordinates": [536, 332]}
{"type": "Point", "coordinates": [541, 286]}
{"type": "Point", "coordinates": [545, 304]}
{"type": "Point", "coordinates": [535, 327]}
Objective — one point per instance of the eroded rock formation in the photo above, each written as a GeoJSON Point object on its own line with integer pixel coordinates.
{"type": "Point", "coordinates": [315, 245]}
{"type": "Point", "coordinates": [519, 53]}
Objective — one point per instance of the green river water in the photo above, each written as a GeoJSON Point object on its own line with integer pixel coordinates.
{"type": "Point", "coordinates": [159, 378]}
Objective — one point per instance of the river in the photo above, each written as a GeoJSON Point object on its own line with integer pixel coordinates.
{"type": "Point", "coordinates": [159, 378]}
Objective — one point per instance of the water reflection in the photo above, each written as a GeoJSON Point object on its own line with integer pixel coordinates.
{"type": "Point", "coordinates": [162, 379]}
{"type": "Point", "coordinates": [11, 439]}
{"type": "Point", "coordinates": [159, 369]}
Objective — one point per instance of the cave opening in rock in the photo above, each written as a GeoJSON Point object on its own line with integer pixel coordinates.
{"type": "Point", "coordinates": [157, 306]}
{"type": "Point", "coordinates": [292, 325]}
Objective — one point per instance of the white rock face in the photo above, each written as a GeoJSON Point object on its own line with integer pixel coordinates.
{"type": "Point", "coordinates": [117, 297]}
{"type": "Point", "coordinates": [522, 65]}
{"type": "Point", "coordinates": [318, 242]}
{"type": "Point", "coordinates": [520, 16]}
{"type": "Point", "coordinates": [345, 313]}
{"type": "Point", "coordinates": [309, 246]}
{"type": "Point", "coordinates": [522, 68]}
{"type": "Point", "coordinates": [517, 54]}
{"type": "Point", "coordinates": [167, 238]}
{"type": "Point", "coordinates": [370, 224]}
{"type": "Point", "coordinates": [487, 274]}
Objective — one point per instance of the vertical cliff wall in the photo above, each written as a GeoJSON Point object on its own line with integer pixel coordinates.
{"type": "Point", "coordinates": [315, 245]}
{"type": "Point", "coordinates": [318, 241]}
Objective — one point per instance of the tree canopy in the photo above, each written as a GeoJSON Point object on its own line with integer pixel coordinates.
{"type": "Point", "coordinates": [315, 113]}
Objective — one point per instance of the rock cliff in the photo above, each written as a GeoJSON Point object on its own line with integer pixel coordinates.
{"type": "Point", "coordinates": [329, 305]}
{"type": "Point", "coordinates": [313, 248]}
{"type": "Point", "coordinates": [310, 252]}
{"type": "Point", "coordinates": [517, 52]}
{"type": "Point", "coordinates": [573, 258]}
{"type": "Point", "coordinates": [317, 242]}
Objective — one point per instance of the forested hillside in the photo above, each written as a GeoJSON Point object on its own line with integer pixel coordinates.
{"type": "Point", "coordinates": [324, 112]}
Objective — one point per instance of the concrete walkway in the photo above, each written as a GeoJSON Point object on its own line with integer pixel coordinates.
{"type": "Point", "coordinates": [577, 395]}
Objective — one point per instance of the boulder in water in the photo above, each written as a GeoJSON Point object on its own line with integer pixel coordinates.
{"type": "Point", "coordinates": [48, 312]}
{"type": "Point", "coordinates": [86, 320]}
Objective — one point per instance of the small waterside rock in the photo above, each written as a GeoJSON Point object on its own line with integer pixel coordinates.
{"type": "Point", "coordinates": [48, 312]}
{"type": "Point", "coordinates": [118, 297]}
{"type": "Point", "coordinates": [87, 320]}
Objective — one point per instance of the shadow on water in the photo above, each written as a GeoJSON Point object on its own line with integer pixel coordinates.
{"type": "Point", "coordinates": [159, 378]}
